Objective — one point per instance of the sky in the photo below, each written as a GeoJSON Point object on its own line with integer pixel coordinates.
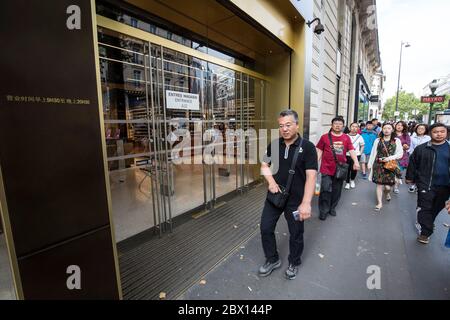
{"type": "Point", "coordinates": [426, 26]}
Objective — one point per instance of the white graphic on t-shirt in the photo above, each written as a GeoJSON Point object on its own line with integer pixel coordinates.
{"type": "Point", "coordinates": [338, 147]}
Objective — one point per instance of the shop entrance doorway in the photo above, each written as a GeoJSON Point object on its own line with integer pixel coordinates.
{"type": "Point", "coordinates": [179, 131]}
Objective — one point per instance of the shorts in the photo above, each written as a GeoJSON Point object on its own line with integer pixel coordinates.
{"type": "Point", "coordinates": [364, 158]}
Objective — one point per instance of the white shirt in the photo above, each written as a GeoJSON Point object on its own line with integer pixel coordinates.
{"type": "Point", "coordinates": [416, 140]}
{"type": "Point", "coordinates": [358, 143]}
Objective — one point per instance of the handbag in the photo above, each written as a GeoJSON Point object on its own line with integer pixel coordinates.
{"type": "Point", "coordinates": [341, 167]}
{"type": "Point", "coordinates": [391, 165]}
{"type": "Point", "coordinates": [279, 199]}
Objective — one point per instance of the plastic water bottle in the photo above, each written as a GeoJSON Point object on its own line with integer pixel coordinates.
{"type": "Point", "coordinates": [317, 190]}
{"type": "Point", "coordinates": [447, 241]}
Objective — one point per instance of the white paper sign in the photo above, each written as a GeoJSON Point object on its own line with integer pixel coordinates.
{"type": "Point", "coordinates": [182, 100]}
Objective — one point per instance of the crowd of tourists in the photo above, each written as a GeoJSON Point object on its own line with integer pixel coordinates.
{"type": "Point", "coordinates": [388, 154]}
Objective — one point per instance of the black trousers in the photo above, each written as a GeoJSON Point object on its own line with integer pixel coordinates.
{"type": "Point", "coordinates": [330, 194]}
{"type": "Point", "coordinates": [351, 175]}
{"type": "Point", "coordinates": [269, 219]}
{"type": "Point", "coordinates": [429, 204]}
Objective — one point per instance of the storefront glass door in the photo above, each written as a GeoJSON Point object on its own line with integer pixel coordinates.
{"type": "Point", "coordinates": [167, 157]}
{"type": "Point", "coordinates": [123, 61]}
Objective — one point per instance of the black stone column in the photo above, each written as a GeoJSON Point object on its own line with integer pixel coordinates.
{"type": "Point", "coordinates": [54, 191]}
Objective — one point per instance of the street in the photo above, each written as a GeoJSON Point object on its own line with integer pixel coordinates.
{"type": "Point", "coordinates": [337, 255]}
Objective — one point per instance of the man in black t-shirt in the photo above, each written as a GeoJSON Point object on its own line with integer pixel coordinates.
{"type": "Point", "coordinates": [301, 192]}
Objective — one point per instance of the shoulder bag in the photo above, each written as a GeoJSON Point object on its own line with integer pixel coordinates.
{"type": "Point", "coordinates": [341, 168]}
{"type": "Point", "coordinates": [391, 165]}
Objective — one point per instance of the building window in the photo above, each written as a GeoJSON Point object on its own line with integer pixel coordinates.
{"type": "Point", "coordinates": [137, 78]}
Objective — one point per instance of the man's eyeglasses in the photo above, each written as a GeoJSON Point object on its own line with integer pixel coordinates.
{"type": "Point", "coordinates": [287, 125]}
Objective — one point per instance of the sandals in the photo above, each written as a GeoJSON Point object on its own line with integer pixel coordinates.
{"type": "Point", "coordinates": [377, 208]}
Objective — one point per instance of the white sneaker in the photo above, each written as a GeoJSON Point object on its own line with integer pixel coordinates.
{"type": "Point", "coordinates": [352, 184]}
{"type": "Point", "coordinates": [396, 191]}
{"type": "Point", "coordinates": [347, 186]}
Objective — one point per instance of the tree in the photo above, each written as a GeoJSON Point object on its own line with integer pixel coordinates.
{"type": "Point", "coordinates": [407, 102]}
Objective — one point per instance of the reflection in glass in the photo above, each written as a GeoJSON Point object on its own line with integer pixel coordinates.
{"type": "Point", "coordinates": [155, 153]}
{"type": "Point", "coordinates": [127, 131]}
{"type": "Point", "coordinates": [116, 14]}
{"type": "Point", "coordinates": [182, 73]}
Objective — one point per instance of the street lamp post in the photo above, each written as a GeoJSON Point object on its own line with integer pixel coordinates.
{"type": "Point", "coordinates": [433, 86]}
{"type": "Point", "coordinates": [407, 45]}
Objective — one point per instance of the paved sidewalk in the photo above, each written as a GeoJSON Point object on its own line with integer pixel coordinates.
{"type": "Point", "coordinates": [337, 254]}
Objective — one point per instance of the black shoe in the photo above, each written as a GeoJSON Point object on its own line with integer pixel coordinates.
{"type": "Point", "coordinates": [333, 213]}
{"type": "Point", "coordinates": [268, 267]}
{"type": "Point", "coordinates": [291, 272]}
{"type": "Point", "coordinates": [423, 239]}
{"type": "Point", "coordinates": [323, 217]}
